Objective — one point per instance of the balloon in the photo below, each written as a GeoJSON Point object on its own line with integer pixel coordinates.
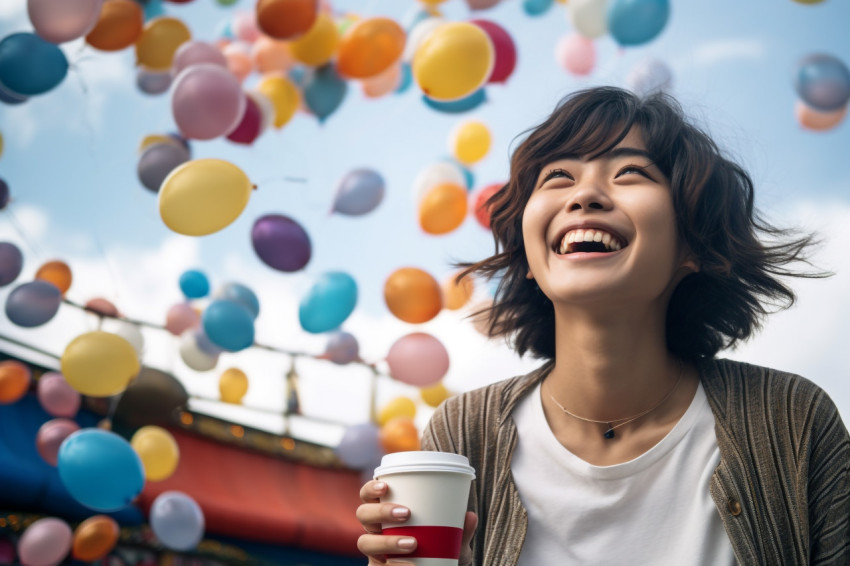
{"type": "Point", "coordinates": [406, 78]}
{"type": "Point", "coordinates": [191, 353]}
{"type": "Point", "coordinates": [203, 196]}
{"type": "Point", "coordinates": [58, 22]}
{"type": "Point", "coordinates": [649, 77]}
{"type": "Point", "coordinates": [505, 50]}
{"type": "Point", "coordinates": [118, 26]}
{"type": "Point", "coordinates": [286, 19]}
{"type": "Point", "coordinates": [229, 325]}
{"type": "Point", "coordinates": [443, 209]}
{"type": "Point", "coordinates": [324, 91]}
{"type": "Point", "coordinates": [56, 272]}
{"type": "Point", "coordinates": [536, 7]}
{"type": "Point", "coordinates": [413, 295]}
{"type": "Point", "coordinates": [10, 98]}
{"type": "Point", "coordinates": [434, 175]}
{"type": "Point", "coordinates": [45, 542]}
{"type": "Point", "coordinates": [160, 39]}
{"type": "Point", "coordinates": [398, 407]}
{"type": "Point", "coordinates": [383, 83]}
{"type": "Point", "coordinates": [157, 161]}
{"type": "Point", "coordinates": [319, 44]}
{"type": "Point", "coordinates": [399, 435]}
{"type": "Point", "coordinates": [101, 307]}
{"type": "Point", "coordinates": [342, 348]}
{"type": "Point", "coordinates": [815, 119]}
{"type": "Point", "coordinates": [207, 101]}
{"type": "Point", "coordinates": [370, 47]}
{"type": "Point", "coordinates": [435, 394]}
{"type": "Point", "coordinates": [470, 141]}
{"type": "Point", "coordinates": [176, 520]}
{"type": "Point", "coordinates": [635, 22]}
{"type": "Point", "coordinates": [589, 17]}
{"type": "Point", "coordinates": [57, 398]}
{"type": "Point", "coordinates": [468, 177]}
{"type": "Point", "coordinates": [14, 381]}
{"type": "Point", "coordinates": [455, 294]}
{"type": "Point", "coordinates": [157, 450]}
{"type": "Point", "coordinates": [99, 364]}
{"type": "Point", "coordinates": [196, 53]}
{"type": "Point", "coordinates": [128, 331]}
{"type": "Point", "coordinates": [417, 35]}
{"type": "Point", "coordinates": [154, 9]}
{"type": "Point", "coordinates": [33, 304]}
{"type": "Point", "coordinates": [576, 54]}
{"type": "Point", "coordinates": [194, 284]}
{"type": "Point", "coordinates": [271, 55]}
{"type": "Point", "coordinates": [238, 56]}
{"type": "Point", "coordinates": [823, 82]}
{"type": "Point", "coordinates": [266, 108]}
{"type": "Point", "coordinates": [481, 4]}
{"type": "Point", "coordinates": [359, 446]}
{"type": "Point", "coordinates": [281, 243]}
{"type": "Point", "coordinates": [11, 262]}
{"type": "Point", "coordinates": [283, 95]}
{"type": "Point", "coordinates": [479, 208]}
{"type": "Point", "coordinates": [152, 82]}
{"type": "Point", "coordinates": [50, 437]}
{"type": "Point", "coordinates": [30, 65]}
{"type": "Point", "coordinates": [250, 126]}
{"type": "Point", "coordinates": [94, 538]}
{"type": "Point", "coordinates": [241, 294]}
{"type": "Point", "coordinates": [232, 385]}
{"type": "Point", "coordinates": [245, 26]}
{"type": "Point", "coordinates": [465, 104]}
{"type": "Point", "coordinates": [328, 303]}
{"type": "Point", "coordinates": [453, 61]}
{"type": "Point", "coordinates": [153, 139]}
{"type": "Point", "coordinates": [7, 551]}
{"type": "Point", "coordinates": [359, 192]}
{"type": "Point", "coordinates": [418, 359]}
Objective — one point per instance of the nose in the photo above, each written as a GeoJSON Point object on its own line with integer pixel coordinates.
{"type": "Point", "coordinates": [588, 196]}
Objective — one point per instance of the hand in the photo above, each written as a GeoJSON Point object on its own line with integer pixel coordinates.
{"type": "Point", "coordinates": [375, 545]}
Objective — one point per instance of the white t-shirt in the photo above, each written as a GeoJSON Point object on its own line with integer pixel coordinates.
{"type": "Point", "coordinates": [653, 510]}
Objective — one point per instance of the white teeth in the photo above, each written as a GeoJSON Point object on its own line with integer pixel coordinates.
{"type": "Point", "coordinates": [571, 237]}
{"type": "Point", "coordinates": [597, 237]}
{"type": "Point", "coordinates": [606, 238]}
{"type": "Point", "coordinates": [589, 235]}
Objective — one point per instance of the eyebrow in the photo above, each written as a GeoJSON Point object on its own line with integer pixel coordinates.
{"type": "Point", "coordinates": [611, 154]}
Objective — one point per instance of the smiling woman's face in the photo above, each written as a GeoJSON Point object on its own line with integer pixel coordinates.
{"type": "Point", "coordinates": [603, 230]}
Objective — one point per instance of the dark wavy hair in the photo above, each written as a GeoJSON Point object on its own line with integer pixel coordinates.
{"type": "Point", "coordinates": [741, 257]}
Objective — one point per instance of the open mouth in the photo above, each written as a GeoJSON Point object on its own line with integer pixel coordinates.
{"type": "Point", "coordinates": [589, 240]}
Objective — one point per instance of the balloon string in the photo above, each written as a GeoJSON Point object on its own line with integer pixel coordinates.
{"type": "Point", "coordinates": [13, 220]}
{"type": "Point", "coordinates": [278, 179]}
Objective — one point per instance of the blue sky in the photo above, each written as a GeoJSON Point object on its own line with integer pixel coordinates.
{"type": "Point", "coordinates": [70, 161]}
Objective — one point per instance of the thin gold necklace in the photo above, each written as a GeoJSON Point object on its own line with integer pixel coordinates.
{"type": "Point", "coordinates": [610, 432]}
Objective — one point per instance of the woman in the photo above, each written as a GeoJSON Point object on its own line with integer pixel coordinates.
{"type": "Point", "coordinates": [630, 255]}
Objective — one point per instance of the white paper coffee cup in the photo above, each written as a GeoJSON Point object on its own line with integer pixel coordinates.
{"type": "Point", "coordinates": [435, 487]}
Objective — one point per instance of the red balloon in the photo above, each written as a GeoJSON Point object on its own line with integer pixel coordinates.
{"type": "Point", "coordinates": [482, 213]}
{"type": "Point", "coordinates": [504, 47]}
{"type": "Point", "coordinates": [251, 126]}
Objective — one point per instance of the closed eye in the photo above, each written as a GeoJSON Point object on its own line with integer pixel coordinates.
{"type": "Point", "coordinates": [631, 169]}
{"type": "Point", "coordinates": [554, 173]}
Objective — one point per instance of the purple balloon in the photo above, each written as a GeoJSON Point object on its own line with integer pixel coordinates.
{"type": "Point", "coordinates": [33, 304]}
{"type": "Point", "coordinates": [196, 53]}
{"type": "Point", "coordinates": [342, 348]}
{"type": "Point", "coordinates": [50, 437]}
{"type": "Point", "coordinates": [207, 102]}
{"type": "Point", "coordinates": [11, 262]}
{"type": "Point", "coordinates": [57, 398]}
{"type": "Point", "coordinates": [157, 161]}
{"type": "Point", "coordinates": [150, 82]}
{"type": "Point", "coordinates": [360, 191]}
{"type": "Point", "coordinates": [281, 242]}
{"type": "Point", "coordinates": [359, 446]}
{"type": "Point", "coordinates": [4, 194]}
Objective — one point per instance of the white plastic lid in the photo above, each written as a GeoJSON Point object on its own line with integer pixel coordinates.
{"type": "Point", "coordinates": [424, 461]}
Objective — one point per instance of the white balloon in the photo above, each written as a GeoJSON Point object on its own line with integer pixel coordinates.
{"type": "Point", "coordinates": [128, 331]}
{"type": "Point", "coordinates": [589, 17]}
{"type": "Point", "coordinates": [650, 76]}
{"type": "Point", "coordinates": [436, 174]}
{"type": "Point", "coordinates": [266, 108]}
{"type": "Point", "coordinates": [192, 355]}
{"type": "Point", "coordinates": [417, 35]}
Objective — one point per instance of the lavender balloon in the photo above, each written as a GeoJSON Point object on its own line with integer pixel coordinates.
{"type": "Point", "coordinates": [33, 304]}
{"type": "Point", "coordinates": [196, 53]}
{"type": "Point", "coordinates": [11, 262]}
{"type": "Point", "coordinates": [281, 243]}
{"type": "Point", "coordinates": [177, 520]}
{"type": "Point", "coordinates": [360, 191]}
{"type": "Point", "coordinates": [359, 446]}
{"type": "Point", "coordinates": [157, 161]}
{"type": "Point", "coordinates": [150, 82]}
{"type": "Point", "coordinates": [56, 396]}
{"type": "Point", "coordinates": [207, 102]}
{"type": "Point", "coordinates": [342, 348]}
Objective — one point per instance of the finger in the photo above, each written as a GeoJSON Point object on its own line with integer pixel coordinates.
{"type": "Point", "coordinates": [372, 491]}
{"type": "Point", "coordinates": [371, 515]}
{"type": "Point", "coordinates": [470, 523]}
{"type": "Point", "coordinates": [378, 546]}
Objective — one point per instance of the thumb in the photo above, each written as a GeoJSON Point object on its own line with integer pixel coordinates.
{"type": "Point", "coordinates": [470, 523]}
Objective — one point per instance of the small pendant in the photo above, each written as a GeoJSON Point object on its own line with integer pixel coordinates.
{"type": "Point", "coordinates": [609, 433]}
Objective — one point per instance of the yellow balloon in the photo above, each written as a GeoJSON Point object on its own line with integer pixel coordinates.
{"type": "Point", "coordinates": [470, 142]}
{"type": "Point", "coordinates": [152, 139]}
{"type": "Point", "coordinates": [1, 144]}
{"type": "Point", "coordinates": [398, 407]}
{"type": "Point", "coordinates": [158, 451]}
{"type": "Point", "coordinates": [159, 41]}
{"type": "Point", "coordinates": [453, 61]}
{"type": "Point", "coordinates": [203, 196]}
{"type": "Point", "coordinates": [435, 394]}
{"type": "Point", "coordinates": [283, 95]}
{"type": "Point", "coordinates": [233, 385]}
{"type": "Point", "coordinates": [317, 46]}
{"type": "Point", "coordinates": [99, 364]}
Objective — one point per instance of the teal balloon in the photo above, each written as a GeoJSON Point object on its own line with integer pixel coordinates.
{"type": "Point", "coordinates": [328, 303]}
{"type": "Point", "coordinates": [30, 65]}
{"type": "Point", "coordinates": [100, 469]}
{"type": "Point", "coordinates": [635, 22]}
{"type": "Point", "coordinates": [406, 78]}
{"type": "Point", "coordinates": [324, 91]}
{"type": "Point", "coordinates": [153, 9]}
{"type": "Point", "coordinates": [536, 7]}
{"type": "Point", "coordinates": [229, 325]}
{"type": "Point", "coordinates": [466, 104]}
{"type": "Point", "coordinates": [241, 294]}
{"type": "Point", "coordinates": [194, 284]}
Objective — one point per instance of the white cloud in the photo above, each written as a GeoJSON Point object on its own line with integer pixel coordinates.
{"type": "Point", "coordinates": [714, 52]}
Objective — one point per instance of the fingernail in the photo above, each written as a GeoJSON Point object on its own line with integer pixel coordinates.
{"type": "Point", "coordinates": [407, 543]}
{"type": "Point", "coordinates": [400, 512]}
{"type": "Point", "coordinates": [379, 485]}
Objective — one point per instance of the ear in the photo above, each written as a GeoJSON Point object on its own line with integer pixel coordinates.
{"type": "Point", "coordinates": [529, 275]}
{"type": "Point", "coordinates": [690, 264]}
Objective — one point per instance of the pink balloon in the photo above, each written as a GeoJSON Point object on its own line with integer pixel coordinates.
{"type": "Point", "coordinates": [195, 53]}
{"type": "Point", "coordinates": [102, 307]}
{"type": "Point", "coordinates": [418, 359]}
{"type": "Point", "coordinates": [181, 317]}
{"type": "Point", "coordinates": [58, 21]}
{"type": "Point", "coordinates": [57, 398]}
{"type": "Point", "coordinates": [207, 102]}
{"type": "Point", "coordinates": [50, 436]}
{"type": "Point", "coordinates": [576, 54]}
{"type": "Point", "coordinates": [251, 125]}
{"type": "Point", "coordinates": [45, 543]}
{"type": "Point", "coordinates": [245, 26]}
{"type": "Point", "coordinates": [238, 56]}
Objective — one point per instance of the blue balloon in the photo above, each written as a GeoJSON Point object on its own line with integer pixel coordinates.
{"type": "Point", "coordinates": [466, 104]}
{"type": "Point", "coordinates": [324, 91]}
{"type": "Point", "coordinates": [33, 304]}
{"type": "Point", "coordinates": [194, 284]}
{"type": "Point", "coordinates": [100, 469]}
{"type": "Point", "coordinates": [536, 7]}
{"type": "Point", "coordinates": [241, 294]}
{"type": "Point", "coordinates": [328, 302]}
{"type": "Point", "coordinates": [634, 22]}
{"type": "Point", "coordinates": [359, 192]}
{"type": "Point", "coordinates": [177, 520]}
{"type": "Point", "coordinates": [153, 9]}
{"type": "Point", "coordinates": [823, 82]}
{"type": "Point", "coordinates": [30, 65]}
{"type": "Point", "coordinates": [360, 446]}
{"type": "Point", "coordinates": [406, 78]}
{"type": "Point", "coordinates": [228, 325]}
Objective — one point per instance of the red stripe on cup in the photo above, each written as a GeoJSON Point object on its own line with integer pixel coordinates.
{"type": "Point", "coordinates": [431, 542]}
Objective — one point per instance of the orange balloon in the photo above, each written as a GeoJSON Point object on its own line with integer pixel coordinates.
{"type": "Point", "coordinates": [382, 84]}
{"type": "Point", "coordinates": [272, 56]}
{"type": "Point", "coordinates": [443, 208]}
{"type": "Point", "coordinates": [239, 60]}
{"type": "Point", "coordinates": [119, 25]}
{"type": "Point", "coordinates": [413, 295]}
{"type": "Point", "coordinates": [818, 120]}
{"type": "Point", "coordinates": [14, 380]}
{"type": "Point", "coordinates": [94, 538]}
{"type": "Point", "coordinates": [286, 19]}
{"type": "Point", "coordinates": [370, 47]}
{"type": "Point", "coordinates": [399, 435]}
{"type": "Point", "coordinates": [56, 272]}
{"type": "Point", "coordinates": [455, 295]}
